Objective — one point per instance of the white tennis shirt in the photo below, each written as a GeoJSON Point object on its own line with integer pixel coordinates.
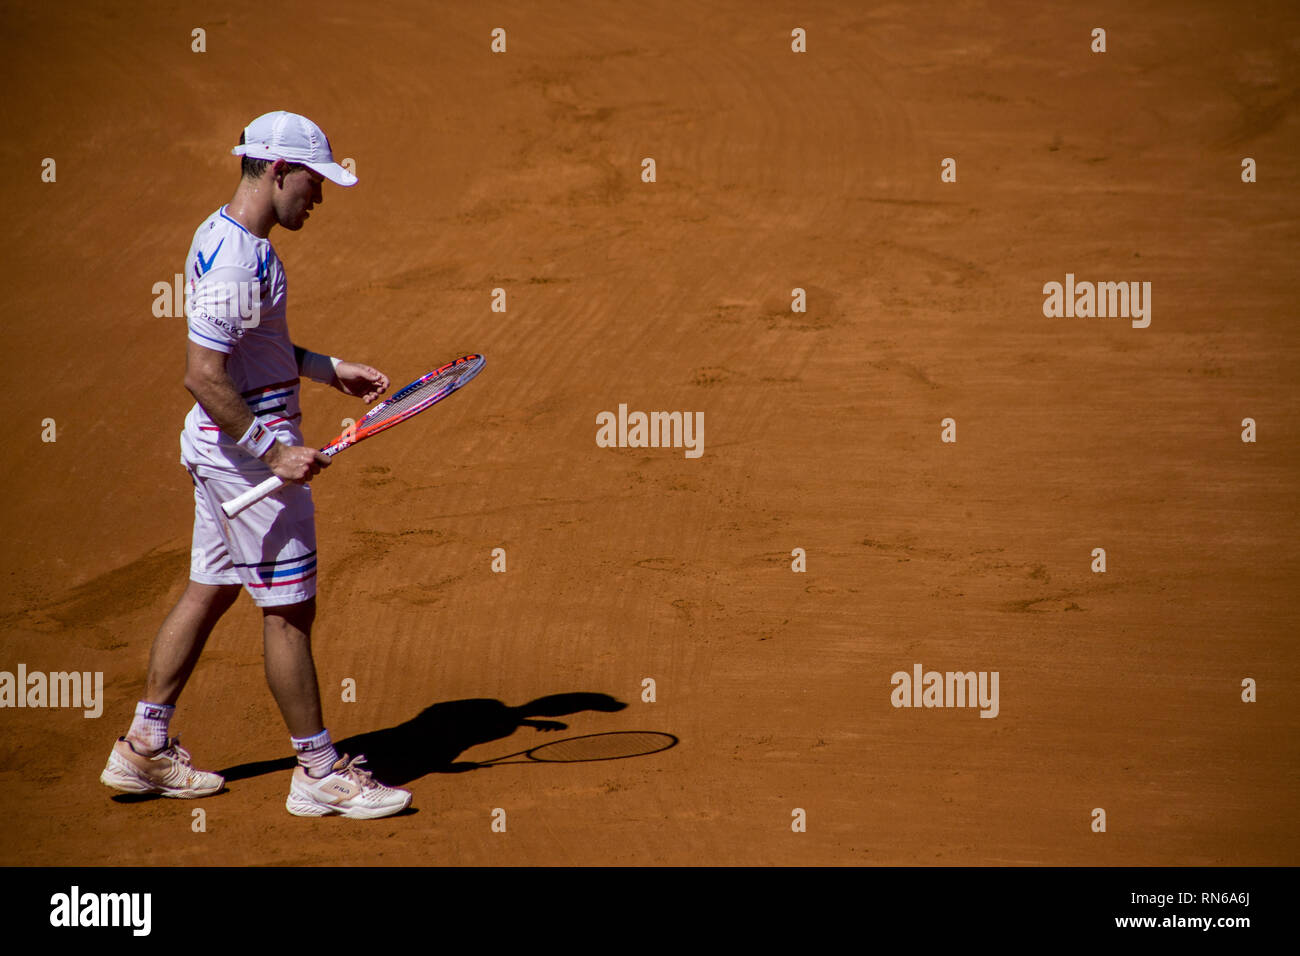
{"type": "Point", "coordinates": [236, 302]}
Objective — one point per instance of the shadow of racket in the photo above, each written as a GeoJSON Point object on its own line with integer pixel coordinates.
{"type": "Point", "coordinates": [615, 745]}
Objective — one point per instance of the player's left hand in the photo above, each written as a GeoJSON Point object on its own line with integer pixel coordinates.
{"type": "Point", "coordinates": [361, 380]}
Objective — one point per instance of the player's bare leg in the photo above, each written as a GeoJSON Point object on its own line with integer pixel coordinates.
{"type": "Point", "coordinates": [147, 760]}
{"type": "Point", "coordinates": [325, 783]}
{"type": "Point", "coordinates": [290, 670]}
{"type": "Point", "coordinates": [182, 636]}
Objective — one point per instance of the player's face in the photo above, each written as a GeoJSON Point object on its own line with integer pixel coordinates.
{"type": "Point", "coordinates": [295, 195]}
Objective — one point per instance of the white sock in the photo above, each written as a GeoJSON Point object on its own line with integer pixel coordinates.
{"type": "Point", "coordinates": [316, 754]}
{"type": "Point", "coordinates": [149, 728]}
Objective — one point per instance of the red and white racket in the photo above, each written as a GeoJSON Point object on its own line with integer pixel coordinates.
{"type": "Point", "coordinates": [424, 392]}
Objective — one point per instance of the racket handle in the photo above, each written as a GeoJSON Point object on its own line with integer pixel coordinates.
{"type": "Point", "coordinates": [251, 497]}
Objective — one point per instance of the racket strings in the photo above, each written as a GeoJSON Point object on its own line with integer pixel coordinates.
{"type": "Point", "coordinates": [422, 392]}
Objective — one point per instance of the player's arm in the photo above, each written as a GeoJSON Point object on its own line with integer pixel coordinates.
{"type": "Point", "coordinates": [350, 378]}
{"type": "Point", "coordinates": [208, 381]}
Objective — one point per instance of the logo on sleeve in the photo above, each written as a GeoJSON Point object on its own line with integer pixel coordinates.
{"type": "Point", "coordinates": [206, 264]}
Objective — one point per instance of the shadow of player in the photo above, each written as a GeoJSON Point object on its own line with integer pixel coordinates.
{"type": "Point", "coordinates": [431, 741]}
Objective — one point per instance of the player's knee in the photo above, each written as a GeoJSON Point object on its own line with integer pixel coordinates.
{"type": "Point", "coordinates": [287, 618]}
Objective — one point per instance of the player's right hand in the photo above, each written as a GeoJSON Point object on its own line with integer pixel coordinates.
{"type": "Point", "coordinates": [296, 463]}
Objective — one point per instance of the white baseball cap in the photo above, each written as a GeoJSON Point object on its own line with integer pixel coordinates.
{"type": "Point", "coordinates": [295, 139]}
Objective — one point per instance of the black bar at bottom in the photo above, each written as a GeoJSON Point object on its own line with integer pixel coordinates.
{"type": "Point", "coordinates": [227, 906]}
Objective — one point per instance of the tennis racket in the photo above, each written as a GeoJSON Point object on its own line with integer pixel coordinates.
{"type": "Point", "coordinates": [424, 392]}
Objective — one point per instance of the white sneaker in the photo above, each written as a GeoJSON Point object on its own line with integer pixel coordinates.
{"type": "Point", "coordinates": [347, 790]}
{"type": "Point", "coordinates": [169, 772]}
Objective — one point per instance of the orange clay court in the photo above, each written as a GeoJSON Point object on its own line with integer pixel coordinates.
{"type": "Point", "coordinates": [1120, 690]}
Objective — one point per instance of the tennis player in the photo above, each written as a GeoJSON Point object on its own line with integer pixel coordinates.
{"type": "Point", "coordinates": [243, 371]}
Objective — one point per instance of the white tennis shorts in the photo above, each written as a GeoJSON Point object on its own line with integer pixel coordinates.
{"type": "Point", "coordinates": [270, 548]}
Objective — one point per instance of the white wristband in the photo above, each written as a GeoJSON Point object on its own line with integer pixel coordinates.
{"type": "Point", "coordinates": [257, 439]}
{"type": "Point", "coordinates": [319, 368]}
